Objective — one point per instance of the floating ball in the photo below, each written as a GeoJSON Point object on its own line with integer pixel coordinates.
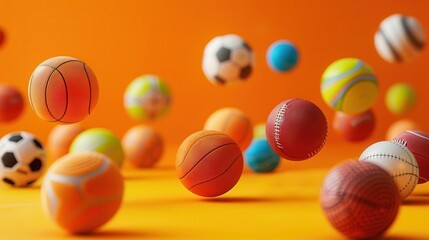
{"type": "Point", "coordinates": [398, 161]}
{"type": "Point", "coordinates": [400, 126]}
{"type": "Point", "coordinates": [82, 191]}
{"type": "Point", "coordinates": [227, 59]}
{"type": "Point", "coordinates": [399, 38]}
{"type": "Point", "coordinates": [63, 89]}
{"type": "Point", "coordinates": [209, 163]}
{"type": "Point", "coordinates": [349, 85]}
{"type": "Point", "coordinates": [2, 37]}
{"type": "Point", "coordinates": [360, 200]}
{"type": "Point", "coordinates": [143, 146]}
{"type": "Point", "coordinates": [418, 143]}
{"type": "Point", "coordinates": [282, 56]}
{"type": "Point", "coordinates": [259, 131]}
{"type": "Point", "coordinates": [147, 97]}
{"type": "Point", "coordinates": [400, 98]}
{"type": "Point", "coordinates": [296, 129]}
{"type": "Point", "coordinates": [60, 139]}
{"type": "Point", "coordinates": [99, 140]}
{"type": "Point", "coordinates": [355, 127]}
{"type": "Point", "coordinates": [11, 103]}
{"type": "Point", "coordinates": [234, 123]}
{"type": "Point", "coordinates": [23, 159]}
{"type": "Point", "coordinates": [259, 157]}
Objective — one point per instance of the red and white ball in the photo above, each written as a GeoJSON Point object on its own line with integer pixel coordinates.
{"type": "Point", "coordinates": [354, 127]}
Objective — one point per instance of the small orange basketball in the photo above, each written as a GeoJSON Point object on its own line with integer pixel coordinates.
{"type": "Point", "coordinates": [63, 89]}
{"type": "Point", "coordinates": [143, 146]}
{"type": "Point", "coordinates": [209, 163]}
{"type": "Point", "coordinates": [60, 138]}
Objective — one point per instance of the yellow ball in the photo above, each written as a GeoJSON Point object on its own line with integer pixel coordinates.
{"type": "Point", "coordinates": [349, 85]}
{"type": "Point", "coordinates": [259, 131]}
{"type": "Point", "coordinates": [400, 98]}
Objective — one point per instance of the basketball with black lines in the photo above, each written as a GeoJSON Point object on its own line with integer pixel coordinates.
{"type": "Point", "coordinates": [359, 199]}
{"type": "Point", "coordinates": [209, 163]}
{"type": "Point", "coordinates": [234, 123]}
{"type": "Point", "coordinates": [399, 38]}
{"type": "Point", "coordinates": [63, 89]}
{"type": "Point", "coordinates": [396, 159]}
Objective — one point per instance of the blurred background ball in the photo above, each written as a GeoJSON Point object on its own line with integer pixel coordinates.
{"type": "Point", "coordinates": [400, 126]}
{"type": "Point", "coordinates": [82, 191]}
{"type": "Point", "coordinates": [147, 97]}
{"type": "Point", "coordinates": [360, 200]}
{"type": "Point", "coordinates": [99, 140]}
{"type": "Point", "coordinates": [398, 161]}
{"type": "Point", "coordinates": [11, 103]}
{"type": "Point", "coordinates": [2, 37]}
{"type": "Point", "coordinates": [23, 159]}
{"type": "Point", "coordinates": [354, 127]}
{"type": "Point", "coordinates": [282, 56]}
{"type": "Point", "coordinates": [60, 139]}
{"type": "Point", "coordinates": [143, 146]}
{"type": "Point", "coordinates": [227, 59]}
{"type": "Point", "coordinates": [400, 98]}
{"type": "Point", "coordinates": [209, 163]}
{"type": "Point", "coordinates": [296, 129]}
{"type": "Point", "coordinates": [259, 157]}
{"type": "Point", "coordinates": [234, 123]}
{"type": "Point", "coordinates": [399, 38]}
{"type": "Point", "coordinates": [418, 143]}
{"type": "Point", "coordinates": [259, 131]}
{"type": "Point", "coordinates": [63, 89]}
{"type": "Point", "coordinates": [349, 85]}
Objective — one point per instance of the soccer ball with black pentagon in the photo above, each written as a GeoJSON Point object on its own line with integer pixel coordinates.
{"type": "Point", "coordinates": [23, 159]}
{"type": "Point", "coordinates": [227, 59]}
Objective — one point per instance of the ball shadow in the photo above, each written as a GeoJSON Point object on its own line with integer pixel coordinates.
{"type": "Point", "coordinates": [243, 200]}
{"type": "Point", "coordinates": [416, 201]}
{"type": "Point", "coordinates": [118, 234]}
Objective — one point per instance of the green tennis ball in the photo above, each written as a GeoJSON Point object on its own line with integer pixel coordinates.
{"type": "Point", "coordinates": [400, 98]}
{"type": "Point", "coordinates": [99, 140]}
{"type": "Point", "coordinates": [147, 97]}
{"type": "Point", "coordinates": [259, 131]}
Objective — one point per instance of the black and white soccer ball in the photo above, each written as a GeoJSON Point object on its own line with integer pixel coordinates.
{"type": "Point", "coordinates": [227, 59]}
{"type": "Point", "coordinates": [23, 159]}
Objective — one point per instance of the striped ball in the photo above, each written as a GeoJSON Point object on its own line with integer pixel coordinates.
{"type": "Point", "coordinates": [349, 85]}
{"type": "Point", "coordinates": [399, 38]}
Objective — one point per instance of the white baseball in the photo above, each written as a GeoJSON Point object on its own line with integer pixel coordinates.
{"type": "Point", "coordinates": [397, 160]}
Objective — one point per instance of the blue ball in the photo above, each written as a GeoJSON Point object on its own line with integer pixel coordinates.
{"type": "Point", "coordinates": [259, 156]}
{"type": "Point", "coordinates": [282, 56]}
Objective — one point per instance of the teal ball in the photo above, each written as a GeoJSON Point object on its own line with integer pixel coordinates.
{"type": "Point", "coordinates": [259, 157]}
{"type": "Point", "coordinates": [282, 56]}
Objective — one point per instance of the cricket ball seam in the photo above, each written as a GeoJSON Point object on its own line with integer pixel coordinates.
{"type": "Point", "coordinates": [277, 124]}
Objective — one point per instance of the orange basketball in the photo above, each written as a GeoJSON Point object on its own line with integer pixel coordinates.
{"type": "Point", "coordinates": [82, 191]}
{"type": "Point", "coordinates": [143, 146]}
{"type": "Point", "coordinates": [209, 163]}
{"type": "Point", "coordinates": [60, 138]}
{"type": "Point", "coordinates": [63, 89]}
{"type": "Point", "coordinates": [234, 123]}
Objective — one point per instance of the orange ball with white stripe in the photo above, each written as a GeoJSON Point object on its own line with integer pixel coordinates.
{"type": "Point", "coordinates": [63, 89]}
{"type": "Point", "coordinates": [82, 191]}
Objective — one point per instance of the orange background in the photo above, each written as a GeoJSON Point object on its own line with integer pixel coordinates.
{"type": "Point", "coordinates": [122, 40]}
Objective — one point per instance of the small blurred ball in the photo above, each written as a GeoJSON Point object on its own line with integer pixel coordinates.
{"type": "Point", "coordinates": [400, 98]}
{"type": "Point", "coordinates": [282, 56]}
{"type": "Point", "coordinates": [401, 126]}
{"type": "Point", "coordinates": [11, 103]}
{"type": "Point", "coordinates": [60, 138]}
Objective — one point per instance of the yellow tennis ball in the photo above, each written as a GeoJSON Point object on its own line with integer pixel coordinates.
{"type": "Point", "coordinates": [400, 98]}
{"type": "Point", "coordinates": [349, 85]}
{"type": "Point", "coordinates": [259, 131]}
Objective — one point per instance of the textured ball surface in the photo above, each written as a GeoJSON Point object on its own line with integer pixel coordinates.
{"type": "Point", "coordinates": [63, 89]}
{"type": "Point", "coordinates": [209, 163]}
{"type": "Point", "coordinates": [227, 59]}
{"type": "Point", "coordinates": [99, 140]}
{"type": "Point", "coordinates": [355, 127]}
{"type": "Point", "coordinates": [418, 143]}
{"type": "Point", "coordinates": [259, 157]}
{"type": "Point", "coordinates": [398, 161]}
{"type": "Point", "coordinates": [282, 56]}
{"type": "Point", "coordinates": [60, 139]}
{"type": "Point", "coordinates": [11, 103]}
{"type": "Point", "coordinates": [349, 85]}
{"type": "Point", "coordinates": [296, 129]}
{"type": "Point", "coordinates": [147, 97]}
{"type": "Point", "coordinates": [143, 146]}
{"type": "Point", "coordinates": [234, 123]}
{"type": "Point", "coordinates": [23, 159]}
{"type": "Point", "coordinates": [82, 191]}
{"type": "Point", "coordinates": [400, 98]}
{"type": "Point", "coordinates": [400, 126]}
{"type": "Point", "coordinates": [399, 38]}
{"type": "Point", "coordinates": [360, 199]}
